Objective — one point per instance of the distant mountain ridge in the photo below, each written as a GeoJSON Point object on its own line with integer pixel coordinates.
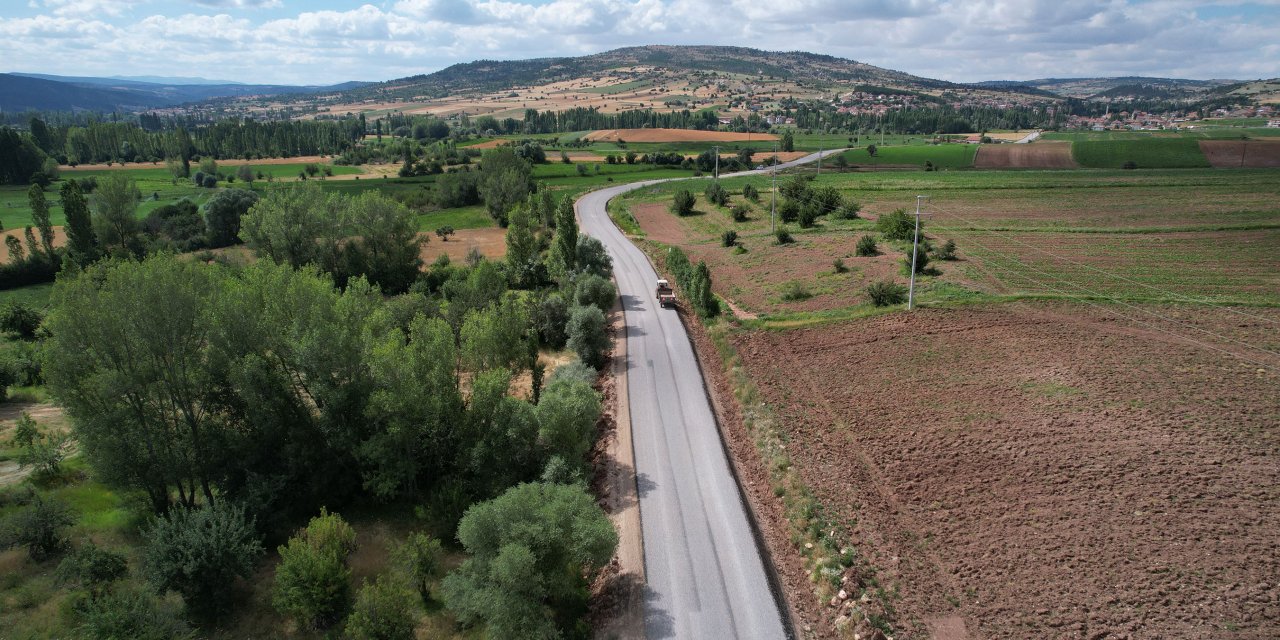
{"type": "Point", "coordinates": [44, 92]}
{"type": "Point", "coordinates": [1111, 87]}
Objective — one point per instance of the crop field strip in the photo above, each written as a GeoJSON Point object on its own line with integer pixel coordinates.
{"type": "Point", "coordinates": [1048, 281]}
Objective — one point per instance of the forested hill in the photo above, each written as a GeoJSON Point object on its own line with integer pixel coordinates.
{"type": "Point", "coordinates": [21, 92]}
{"type": "Point", "coordinates": [493, 75]}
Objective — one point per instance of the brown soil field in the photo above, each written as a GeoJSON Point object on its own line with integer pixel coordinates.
{"type": "Point", "coordinates": [1038, 155]}
{"type": "Point", "coordinates": [1040, 470]}
{"type": "Point", "coordinates": [491, 242]}
{"type": "Point", "coordinates": [59, 240]}
{"type": "Point", "coordinates": [674, 135]}
{"type": "Point", "coordinates": [1241, 153]}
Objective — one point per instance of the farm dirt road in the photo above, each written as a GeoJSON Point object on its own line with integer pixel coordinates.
{"type": "Point", "coordinates": [705, 572]}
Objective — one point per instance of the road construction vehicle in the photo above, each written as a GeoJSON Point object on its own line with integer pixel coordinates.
{"type": "Point", "coordinates": [666, 297]}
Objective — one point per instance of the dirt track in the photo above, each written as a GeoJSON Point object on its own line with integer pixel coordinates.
{"type": "Point", "coordinates": [1040, 155]}
{"type": "Point", "coordinates": [1042, 471]}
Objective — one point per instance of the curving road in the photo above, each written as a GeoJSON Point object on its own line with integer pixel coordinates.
{"type": "Point", "coordinates": [705, 573]}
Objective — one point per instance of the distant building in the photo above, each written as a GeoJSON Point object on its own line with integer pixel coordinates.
{"type": "Point", "coordinates": [1273, 124]}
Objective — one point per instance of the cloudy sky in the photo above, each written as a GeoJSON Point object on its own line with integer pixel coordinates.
{"type": "Point", "coordinates": [328, 41]}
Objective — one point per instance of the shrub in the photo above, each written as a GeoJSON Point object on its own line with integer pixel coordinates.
{"type": "Point", "coordinates": [847, 210]}
{"type": "Point", "coordinates": [739, 212]}
{"type": "Point", "coordinates": [313, 583]}
{"type": "Point", "coordinates": [40, 527]}
{"type": "Point", "coordinates": [444, 232]}
{"type": "Point", "coordinates": [782, 236]}
{"type": "Point", "coordinates": [210, 182]}
{"type": "Point", "coordinates": [922, 260]}
{"type": "Point", "coordinates": [866, 246]}
{"type": "Point", "coordinates": [896, 225]}
{"type": "Point", "coordinates": [133, 614]}
{"type": "Point", "coordinates": [808, 215]}
{"type": "Point", "coordinates": [550, 319]}
{"type": "Point", "coordinates": [384, 610]}
{"type": "Point", "coordinates": [92, 568]}
{"type": "Point", "coordinates": [716, 194]}
{"type": "Point", "coordinates": [593, 258]}
{"type": "Point", "coordinates": [788, 210]}
{"type": "Point", "coordinates": [199, 553]}
{"type": "Point", "coordinates": [21, 319]}
{"type": "Point", "coordinates": [729, 238]}
{"type": "Point", "coordinates": [44, 451]}
{"type": "Point", "coordinates": [838, 266]}
{"type": "Point", "coordinates": [587, 335]}
{"type": "Point", "coordinates": [795, 291]}
{"type": "Point", "coordinates": [683, 202]}
{"type": "Point", "coordinates": [886, 293]}
{"type": "Point", "coordinates": [750, 193]}
{"type": "Point", "coordinates": [947, 252]}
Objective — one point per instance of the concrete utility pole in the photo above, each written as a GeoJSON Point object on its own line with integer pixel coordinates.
{"type": "Point", "coordinates": [773, 194]}
{"type": "Point", "coordinates": [915, 247]}
{"type": "Point", "coordinates": [717, 149]}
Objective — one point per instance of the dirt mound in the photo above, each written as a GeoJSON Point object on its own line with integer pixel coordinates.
{"type": "Point", "coordinates": [1042, 470]}
{"type": "Point", "coordinates": [673, 135]}
{"type": "Point", "coordinates": [1226, 154]}
{"type": "Point", "coordinates": [1039, 155]}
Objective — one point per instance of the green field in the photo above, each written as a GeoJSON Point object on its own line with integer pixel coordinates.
{"type": "Point", "coordinates": [1153, 153]}
{"type": "Point", "coordinates": [943, 156]}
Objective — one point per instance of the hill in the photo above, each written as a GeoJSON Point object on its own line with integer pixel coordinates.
{"type": "Point", "coordinates": [1113, 87]}
{"type": "Point", "coordinates": [44, 92]}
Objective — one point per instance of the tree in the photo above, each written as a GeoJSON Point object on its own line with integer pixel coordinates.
{"type": "Point", "coordinates": [921, 260]}
{"type": "Point", "coordinates": [222, 214]}
{"type": "Point", "coordinates": [591, 289]}
{"type": "Point", "coordinates": [593, 258]}
{"type": "Point", "coordinates": [384, 610]}
{"type": "Point", "coordinates": [199, 552]}
{"type": "Point", "coordinates": [871, 150]}
{"type": "Point", "coordinates": [886, 293]}
{"type": "Point", "coordinates": [788, 143]}
{"type": "Point", "coordinates": [115, 207]}
{"type": "Point", "coordinates": [750, 192]}
{"type": "Point", "coordinates": [92, 568]}
{"type": "Point", "coordinates": [313, 583]}
{"type": "Point", "coordinates": [532, 551]}
{"type": "Point", "coordinates": [40, 216]}
{"type": "Point", "coordinates": [564, 250]}
{"type": "Point", "coordinates": [177, 169]}
{"type": "Point", "coordinates": [505, 182]}
{"type": "Point", "coordinates": [245, 173]}
{"type": "Point", "coordinates": [567, 414]}
{"type": "Point", "coordinates": [39, 449]}
{"type": "Point", "coordinates": [295, 226]}
{"type": "Point", "coordinates": [131, 613]}
{"type": "Point", "coordinates": [494, 337]}
{"type": "Point", "coordinates": [587, 335]}
{"type": "Point", "coordinates": [444, 232]}
{"type": "Point", "coordinates": [82, 243]}
{"type": "Point", "coordinates": [683, 202]}
{"type": "Point", "coordinates": [896, 225]}
{"type": "Point", "coordinates": [380, 242]}
{"type": "Point", "coordinates": [420, 560]}
{"type": "Point", "coordinates": [550, 317]}
{"type": "Point", "coordinates": [866, 246]}
{"type": "Point", "coordinates": [21, 319]}
{"type": "Point", "coordinates": [522, 250]}
{"type": "Point", "coordinates": [716, 194]}
{"type": "Point", "coordinates": [17, 255]}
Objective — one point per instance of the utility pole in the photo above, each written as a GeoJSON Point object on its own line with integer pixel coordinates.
{"type": "Point", "coordinates": [915, 247]}
{"type": "Point", "coordinates": [773, 194]}
{"type": "Point", "coordinates": [819, 160]}
{"type": "Point", "coordinates": [717, 162]}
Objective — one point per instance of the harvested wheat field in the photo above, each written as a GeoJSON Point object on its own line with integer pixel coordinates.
{"type": "Point", "coordinates": [1038, 155]}
{"type": "Point", "coordinates": [673, 135]}
{"type": "Point", "coordinates": [1041, 470]}
{"type": "Point", "coordinates": [490, 242]}
{"type": "Point", "coordinates": [1227, 154]}
{"type": "Point", "coordinates": [59, 240]}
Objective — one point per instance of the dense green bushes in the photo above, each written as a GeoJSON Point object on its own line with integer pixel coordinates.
{"type": "Point", "coordinates": [694, 282]}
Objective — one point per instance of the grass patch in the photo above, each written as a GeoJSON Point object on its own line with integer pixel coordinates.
{"type": "Point", "coordinates": [1154, 153]}
{"type": "Point", "coordinates": [943, 156]}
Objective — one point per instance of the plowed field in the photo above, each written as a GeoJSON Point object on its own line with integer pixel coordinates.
{"type": "Point", "coordinates": [1039, 155]}
{"type": "Point", "coordinates": [1042, 471]}
{"type": "Point", "coordinates": [1241, 153]}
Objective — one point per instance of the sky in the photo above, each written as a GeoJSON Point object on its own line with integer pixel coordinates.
{"type": "Point", "coordinates": [331, 41]}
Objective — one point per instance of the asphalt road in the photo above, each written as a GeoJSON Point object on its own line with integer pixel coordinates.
{"type": "Point", "coordinates": [706, 575]}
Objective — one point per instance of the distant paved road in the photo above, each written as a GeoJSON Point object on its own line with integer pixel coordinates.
{"type": "Point", "coordinates": [706, 575]}
{"type": "Point", "coordinates": [1030, 137]}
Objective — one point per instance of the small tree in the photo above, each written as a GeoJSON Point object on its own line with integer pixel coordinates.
{"type": "Point", "coordinates": [444, 232]}
{"type": "Point", "coordinates": [739, 212]}
{"type": "Point", "coordinates": [838, 266]}
{"type": "Point", "coordinates": [384, 610]}
{"type": "Point", "coordinates": [199, 553]}
{"type": "Point", "coordinates": [782, 236]}
{"type": "Point", "coordinates": [43, 451]}
{"type": "Point", "coordinates": [921, 260]}
{"type": "Point", "coordinates": [222, 214]}
{"type": "Point", "coordinates": [871, 150]}
{"type": "Point", "coordinates": [420, 560]}
{"type": "Point", "coordinates": [591, 289]}
{"type": "Point", "coordinates": [717, 194]}
{"type": "Point", "coordinates": [947, 252]}
{"type": "Point", "coordinates": [313, 583]}
{"type": "Point", "coordinates": [587, 336]}
{"type": "Point", "coordinates": [896, 225]}
{"type": "Point", "coordinates": [683, 202]}
{"type": "Point", "coordinates": [93, 569]}
{"type": "Point", "coordinates": [750, 193]}
{"type": "Point", "coordinates": [245, 173]}
{"type": "Point", "coordinates": [866, 247]}
{"type": "Point", "coordinates": [41, 528]}
{"type": "Point", "coordinates": [20, 319]}
{"type": "Point", "coordinates": [729, 238]}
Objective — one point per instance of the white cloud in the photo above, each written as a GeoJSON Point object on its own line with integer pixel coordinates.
{"type": "Point", "coordinates": [959, 40]}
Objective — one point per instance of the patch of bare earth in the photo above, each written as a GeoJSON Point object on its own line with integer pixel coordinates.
{"type": "Point", "coordinates": [1041, 471]}
{"type": "Point", "coordinates": [490, 242]}
{"type": "Point", "coordinates": [1241, 153]}
{"type": "Point", "coordinates": [1040, 155]}
{"type": "Point", "coordinates": [59, 240]}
